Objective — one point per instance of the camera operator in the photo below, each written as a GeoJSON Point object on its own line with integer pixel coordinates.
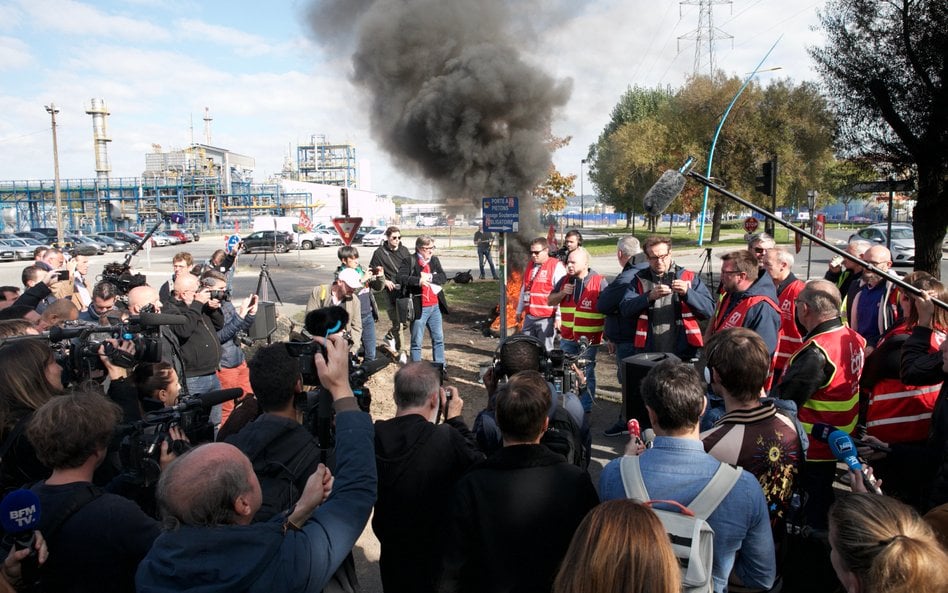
{"type": "Point", "coordinates": [104, 302]}
{"type": "Point", "coordinates": [419, 463]}
{"type": "Point", "coordinates": [233, 370]}
{"type": "Point", "coordinates": [200, 346]}
{"type": "Point", "coordinates": [146, 298]}
{"type": "Point", "coordinates": [571, 242]}
{"type": "Point", "coordinates": [96, 539]}
{"type": "Point", "coordinates": [210, 495]}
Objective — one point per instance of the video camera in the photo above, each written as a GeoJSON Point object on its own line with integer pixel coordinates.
{"type": "Point", "coordinates": [120, 275]}
{"type": "Point", "coordinates": [220, 295]}
{"type": "Point", "coordinates": [556, 365]}
{"type": "Point", "coordinates": [140, 448]}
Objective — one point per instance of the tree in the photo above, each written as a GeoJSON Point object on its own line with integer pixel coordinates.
{"type": "Point", "coordinates": [841, 176]}
{"type": "Point", "coordinates": [553, 192]}
{"type": "Point", "coordinates": [884, 68]}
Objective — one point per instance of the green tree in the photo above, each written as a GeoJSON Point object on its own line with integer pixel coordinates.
{"type": "Point", "coordinates": [884, 68]}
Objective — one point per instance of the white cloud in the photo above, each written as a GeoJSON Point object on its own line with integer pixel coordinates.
{"type": "Point", "coordinates": [76, 18]}
{"type": "Point", "coordinates": [14, 54]}
{"type": "Point", "coordinates": [246, 44]}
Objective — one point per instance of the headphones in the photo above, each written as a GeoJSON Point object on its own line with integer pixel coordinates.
{"type": "Point", "coordinates": [542, 356]}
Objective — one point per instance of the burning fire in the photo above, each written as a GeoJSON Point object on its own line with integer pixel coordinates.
{"type": "Point", "coordinates": [514, 281]}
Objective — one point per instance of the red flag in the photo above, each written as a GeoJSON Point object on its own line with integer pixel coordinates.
{"type": "Point", "coordinates": [305, 222]}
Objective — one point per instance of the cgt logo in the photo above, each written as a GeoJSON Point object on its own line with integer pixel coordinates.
{"type": "Point", "coordinates": [733, 320]}
{"type": "Point", "coordinates": [586, 304]}
{"type": "Point", "coordinates": [856, 355]}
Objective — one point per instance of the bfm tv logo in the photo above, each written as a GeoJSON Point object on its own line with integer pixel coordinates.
{"type": "Point", "coordinates": [24, 516]}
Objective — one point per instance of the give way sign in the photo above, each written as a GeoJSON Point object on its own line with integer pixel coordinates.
{"type": "Point", "coordinates": [347, 226]}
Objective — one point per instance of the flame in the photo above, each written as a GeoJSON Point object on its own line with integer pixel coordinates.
{"type": "Point", "coordinates": [514, 280]}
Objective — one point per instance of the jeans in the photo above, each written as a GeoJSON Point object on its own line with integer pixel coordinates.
{"type": "Point", "coordinates": [204, 384]}
{"type": "Point", "coordinates": [430, 318]}
{"type": "Point", "coordinates": [398, 329]}
{"type": "Point", "coordinates": [572, 347]}
{"type": "Point", "coordinates": [481, 256]}
{"type": "Point", "coordinates": [368, 336]}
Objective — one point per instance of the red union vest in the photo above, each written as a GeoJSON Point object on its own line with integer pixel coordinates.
{"type": "Point", "coordinates": [836, 402]}
{"type": "Point", "coordinates": [900, 413]}
{"type": "Point", "coordinates": [536, 291]}
{"type": "Point", "coordinates": [582, 319]}
{"type": "Point", "coordinates": [688, 320]}
{"type": "Point", "coordinates": [789, 340]}
{"type": "Point", "coordinates": [736, 317]}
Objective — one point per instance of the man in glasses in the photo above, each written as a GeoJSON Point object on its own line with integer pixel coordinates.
{"type": "Point", "coordinates": [387, 259]}
{"type": "Point", "coordinates": [422, 278]}
{"type": "Point", "coordinates": [539, 277]}
{"type": "Point", "coordinates": [749, 301]}
{"type": "Point", "coordinates": [760, 244]}
{"type": "Point", "coordinates": [666, 301]}
{"type": "Point", "coordinates": [875, 303]}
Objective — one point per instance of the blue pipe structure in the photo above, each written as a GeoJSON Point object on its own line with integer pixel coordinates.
{"type": "Point", "coordinates": [714, 142]}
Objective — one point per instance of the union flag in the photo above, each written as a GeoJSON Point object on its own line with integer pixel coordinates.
{"type": "Point", "coordinates": [305, 222]}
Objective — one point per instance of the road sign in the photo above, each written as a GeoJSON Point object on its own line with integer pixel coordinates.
{"type": "Point", "coordinates": [751, 224]}
{"type": "Point", "coordinates": [232, 242]}
{"type": "Point", "coordinates": [501, 214]}
{"type": "Point", "coordinates": [347, 226]}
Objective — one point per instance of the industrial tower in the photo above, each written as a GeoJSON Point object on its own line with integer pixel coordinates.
{"type": "Point", "coordinates": [705, 35]}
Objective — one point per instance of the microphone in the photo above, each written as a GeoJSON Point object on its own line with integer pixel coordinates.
{"type": "Point", "coordinates": [844, 449]}
{"type": "Point", "coordinates": [326, 321]}
{"type": "Point", "coordinates": [20, 516]}
{"type": "Point", "coordinates": [172, 216]}
{"type": "Point", "coordinates": [72, 329]}
{"type": "Point", "coordinates": [821, 432]}
{"type": "Point", "coordinates": [368, 368]}
{"type": "Point", "coordinates": [648, 435]}
{"type": "Point", "coordinates": [663, 193]}
{"type": "Point", "coordinates": [210, 399]}
{"type": "Point", "coordinates": [152, 319]}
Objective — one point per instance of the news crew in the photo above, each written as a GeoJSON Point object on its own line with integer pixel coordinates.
{"type": "Point", "coordinates": [209, 496]}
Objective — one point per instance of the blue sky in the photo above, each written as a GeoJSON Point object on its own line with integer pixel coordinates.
{"type": "Point", "coordinates": [159, 63]}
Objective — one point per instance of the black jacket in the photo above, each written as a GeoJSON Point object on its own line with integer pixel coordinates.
{"type": "Point", "coordinates": [283, 454]}
{"type": "Point", "coordinates": [512, 521]}
{"type": "Point", "coordinates": [390, 261]}
{"type": "Point", "coordinates": [200, 346]}
{"type": "Point", "coordinates": [409, 276]}
{"type": "Point", "coordinates": [419, 464]}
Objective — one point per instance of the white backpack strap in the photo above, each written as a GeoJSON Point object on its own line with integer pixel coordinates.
{"type": "Point", "coordinates": [632, 478]}
{"type": "Point", "coordinates": [714, 492]}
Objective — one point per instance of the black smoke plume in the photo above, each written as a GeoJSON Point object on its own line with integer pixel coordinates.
{"type": "Point", "coordinates": [450, 95]}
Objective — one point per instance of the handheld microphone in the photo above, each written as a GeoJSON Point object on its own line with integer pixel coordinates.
{"type": "Point", "coordinates": [648, 435]}
{"type": "Point", "coordinates": [20, 516]}
{"type": "Point", "coordinates": [844, 449]}
{"type": "Point", "coordinates": [821, 432]}
{"type": "Point", "coordinates": [172, 216]}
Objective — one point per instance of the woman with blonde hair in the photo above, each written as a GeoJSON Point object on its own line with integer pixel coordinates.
{"type": "Point", "coordinates": [881, 545]}
{"type": "Point", "coordinates": [620, 547]}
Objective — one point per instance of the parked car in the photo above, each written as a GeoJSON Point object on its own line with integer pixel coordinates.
{"type": "Point", "coordinates": [83, 240]}
{"type": "Point", "coordinates": [127, 236]}
{"type": "Point", "coordinates": [362, 232]}
{"type": "Point", "coordinates": [374, 238]}
{"type": "Point", "coordinates": [7, 253]}
{"type": "Point", "coordinates": [20, 249]}
{"type": "Point", "coordinates": [33, 235]}
{"type": "Point", "coordinates": [112, 244]}
{"type": "Point", "coordinates": [172, 239]}
{"type": "Point", "coordinates": [157, 240]}
{"type": "Point", "coordinates": [903, 240]}
{"type": "Point", "coordinates": [318, 238]}
{"type": "Point", "coordinates": [182, 236]}
{"type": "Point", "coordinates": [274, 241]}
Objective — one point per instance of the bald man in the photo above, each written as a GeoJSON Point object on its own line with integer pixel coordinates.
{"type": "Point", "coordinates": [577, 295]}
{"type": "Point", "coordinates": [57, 313]}
{"type": "Point", "coordinates": [211, 494]}
{"type": "Point", "coordinates": [147, 299]}
{"type": "Point", "coordinates": [875, 303]}
{"type": "Point", "coordinates": [200, 347]}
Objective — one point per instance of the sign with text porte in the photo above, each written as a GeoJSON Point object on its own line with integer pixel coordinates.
{"type": "Point", "coordinates": [347, 226]}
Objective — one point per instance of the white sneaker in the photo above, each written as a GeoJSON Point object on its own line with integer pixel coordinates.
{"type": "Point", "coordinates": [391, 344]}
{"type": "Point", "coordinates": [402, 358]}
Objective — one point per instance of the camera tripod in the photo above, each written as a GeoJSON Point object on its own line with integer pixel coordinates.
{"type": "Point", "coordinates": [265, 282]}
{"type": "Point", "coordinates": [706, 263]}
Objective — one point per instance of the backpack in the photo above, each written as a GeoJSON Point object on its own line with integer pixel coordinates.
{"type": "Point", "coordinates": [691, 537]}
{"type": "Point", "coordinates": [279, 478]}
{"type": "Point", "coordinates": [563, 436]}
{"type": "Point", "coordinates": [463, 277]}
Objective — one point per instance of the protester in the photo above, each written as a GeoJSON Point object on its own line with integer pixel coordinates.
{"type": "Point", "coordinates": [749, 299]}
{"type": "Point", "coordinates": [387, 260]}
{"type": "Point", "coordinates": [371, 282]}
{"type": "Point", "coordinates": [542, 273]}
{"type": "Point", "coordinates": [422, 278]}
{"type": "Point", "coordinates": [874, 306]}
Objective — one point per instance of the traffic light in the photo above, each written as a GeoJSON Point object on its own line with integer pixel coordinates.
{"type": "Point", "coordinates": [767, 180]}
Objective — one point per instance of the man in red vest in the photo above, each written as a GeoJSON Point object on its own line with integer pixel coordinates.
{"type": "Point", "coordinates": [577, 295]}
{"type": "Point", "coordinates": [749, 301]}
{"type": "Point", "coordinates": [822, 379]}
{"type": "Point", "coordinates": [779, 264]}
{"type": "Point", "coordinates": [539, 277]}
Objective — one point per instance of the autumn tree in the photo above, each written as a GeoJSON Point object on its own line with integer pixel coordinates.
{"type": "Point", "coordinates": [553, 192]}
{"type": "Point", "coordinates": [884, 68]}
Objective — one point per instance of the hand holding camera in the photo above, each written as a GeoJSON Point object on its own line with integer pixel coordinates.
{"type": "Point", "coordinates": [333, 369]}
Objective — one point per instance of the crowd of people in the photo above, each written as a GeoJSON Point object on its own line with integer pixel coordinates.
{"type": "Point", "coordinates": [270, 489]}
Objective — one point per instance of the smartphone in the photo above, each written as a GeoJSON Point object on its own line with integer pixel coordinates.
{"type": "Point", "coordinates": [635, 430]}
{"type": "Point", "coordinates": [62, 275]}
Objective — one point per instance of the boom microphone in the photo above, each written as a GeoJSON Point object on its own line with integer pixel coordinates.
{"type": "Point", "coordinates": [20, 516]}
{"type": "Point", "coordinates": [172, 216]}
{"type": "Point", "coordinates": [210, 399]}
{"type": "Point", "coordinates": [844, 449]}
{"type": "Point", "coordinates": [663, 193]}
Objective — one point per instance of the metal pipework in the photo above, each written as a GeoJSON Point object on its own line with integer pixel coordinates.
{"type": "Point", "coordinates": [100, 138]}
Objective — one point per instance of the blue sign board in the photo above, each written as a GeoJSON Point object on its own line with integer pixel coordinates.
{"type": "Point", "coordinates": [232, 242]}
{"type": "Point", "coordinates": [501, 214]}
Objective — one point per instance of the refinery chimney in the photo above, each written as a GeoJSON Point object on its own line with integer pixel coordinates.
{"type": "Point", "coordinates": [100, 138]}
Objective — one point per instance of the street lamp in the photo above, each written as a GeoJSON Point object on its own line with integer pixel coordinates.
{"type": "Point", "coordinates": [582, 200]}
{"type": "Point", "coordinates": [52, 111]}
